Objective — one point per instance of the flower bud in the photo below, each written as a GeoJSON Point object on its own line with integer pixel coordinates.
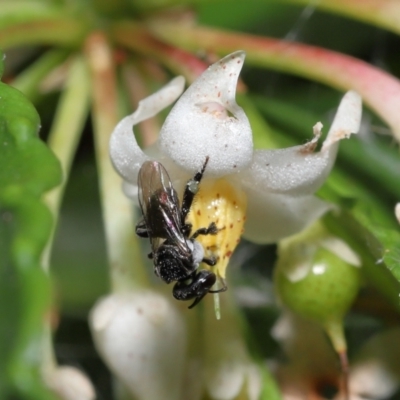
{"type": "Point", "coordinates": [142, 339]}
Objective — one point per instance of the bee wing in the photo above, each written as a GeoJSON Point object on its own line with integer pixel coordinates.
{"type": "Point", "coordinates": [149, 181]}
{"type": "Point", "coordinates": [160, 206]}
{"type": "Point", "coordinates": [172, 226]}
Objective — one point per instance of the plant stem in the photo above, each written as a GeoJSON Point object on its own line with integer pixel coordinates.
{"type": "Point", "coordinates": [29, 80]}
{"type": "Point", "coordinates": [122, 245]}
{"type": "Point", "coordinates": [138, 90]}
{"type": "Point", "coordinates": [65, 134]}
{"type": "Point", "coordinates": [136, 37]}
{"type": "Point", "coordinates": [383, 13]}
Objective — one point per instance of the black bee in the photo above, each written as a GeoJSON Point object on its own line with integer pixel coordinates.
{"type": "Point", "coordinates": [175, 252]}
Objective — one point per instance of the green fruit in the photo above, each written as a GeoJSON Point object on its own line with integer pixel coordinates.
{"type": "Point", "coordinates": [325, 293]}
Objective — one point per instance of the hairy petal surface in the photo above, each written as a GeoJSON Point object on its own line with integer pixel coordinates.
{"type": "Point", "coordinates": [126, 155]}
{"type": "Point", "coordinates": [291, 171]}
{"type": "Point", "coordinates": [298, 170]}
{"type": "Point", "coordinates": [271, 217]}
{"type": "Point", "coordinates": [206, 121]}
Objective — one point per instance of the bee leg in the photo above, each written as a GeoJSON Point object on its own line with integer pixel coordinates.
{"type": "Point", "coordinates": [141, 229]}
{"type": "Point", "coordinates": [186, 229]}
{"type": "Point", "coordinates": [191, 189]}
{"type": "Point", "coordinates": [150, 255]}
{"type": "Point", "coordinates": [200, 284]}
{"type": "Point", "coordinates": [211, 230]}
{"type": "Point", "coordinates": [209, 261]}
{"type": "Point", "coordinates": [223, 289]}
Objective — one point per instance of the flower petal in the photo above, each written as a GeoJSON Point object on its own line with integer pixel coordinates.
{"type": "Point", "coordinates": [271, 217]}
{"type": "Point", "coordinates": [297, 170]}
{"type": "Point", "coordinates": [206, 121]}
{"type": "Point", "coordinates": [292, 171]}
{"type": "Point", "coordinates": [347, 119]}
{"type": "Point", "coordinates": [126, 155]}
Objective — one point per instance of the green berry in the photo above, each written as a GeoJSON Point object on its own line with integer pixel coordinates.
{"type": "Point", "coordinates": [325, 293]}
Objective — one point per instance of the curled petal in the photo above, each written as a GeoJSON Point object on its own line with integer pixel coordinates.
{"type": "Point", "coordinates": [206, 121]}
{"type": "Point", "coordinates": [347, 119]}
{"type": "Point", "coordinates": [297, 170]}
{"type": "Point", "coordinates": [126, 155]}
{"type": "Point", "coordinates": [271, 217]}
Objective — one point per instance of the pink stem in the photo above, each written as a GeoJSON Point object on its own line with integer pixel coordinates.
{"type": "Point", "coordinates": [136, 37]}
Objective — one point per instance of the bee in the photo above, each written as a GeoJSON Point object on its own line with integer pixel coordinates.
{"type": "Point", "coordinates": [175, 252]}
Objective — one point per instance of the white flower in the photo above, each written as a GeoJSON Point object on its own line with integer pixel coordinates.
{"type": "Point", "coordinates": [138, 334]}
{"type": "Point", "coordinates": [276, 187]}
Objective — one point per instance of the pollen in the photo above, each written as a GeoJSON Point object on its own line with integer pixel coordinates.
{"type": "Point", "coordinates": [220, 202]}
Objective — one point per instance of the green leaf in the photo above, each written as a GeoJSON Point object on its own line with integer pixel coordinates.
{"type": "Point", "coordinates": [384, 244]}
{"type": "Point", "coordinates": [25, 224]}
{"type": "Point", "coordinates": [27, 169]}
{"type": "Point", "coordinates": [262, 133]}
{"type": "Point", "coordinates": [24, 159]}
{"type": "Point", "coordinates": [28, 81]}
{"type": "Point", "coordinates": [378, 247]}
